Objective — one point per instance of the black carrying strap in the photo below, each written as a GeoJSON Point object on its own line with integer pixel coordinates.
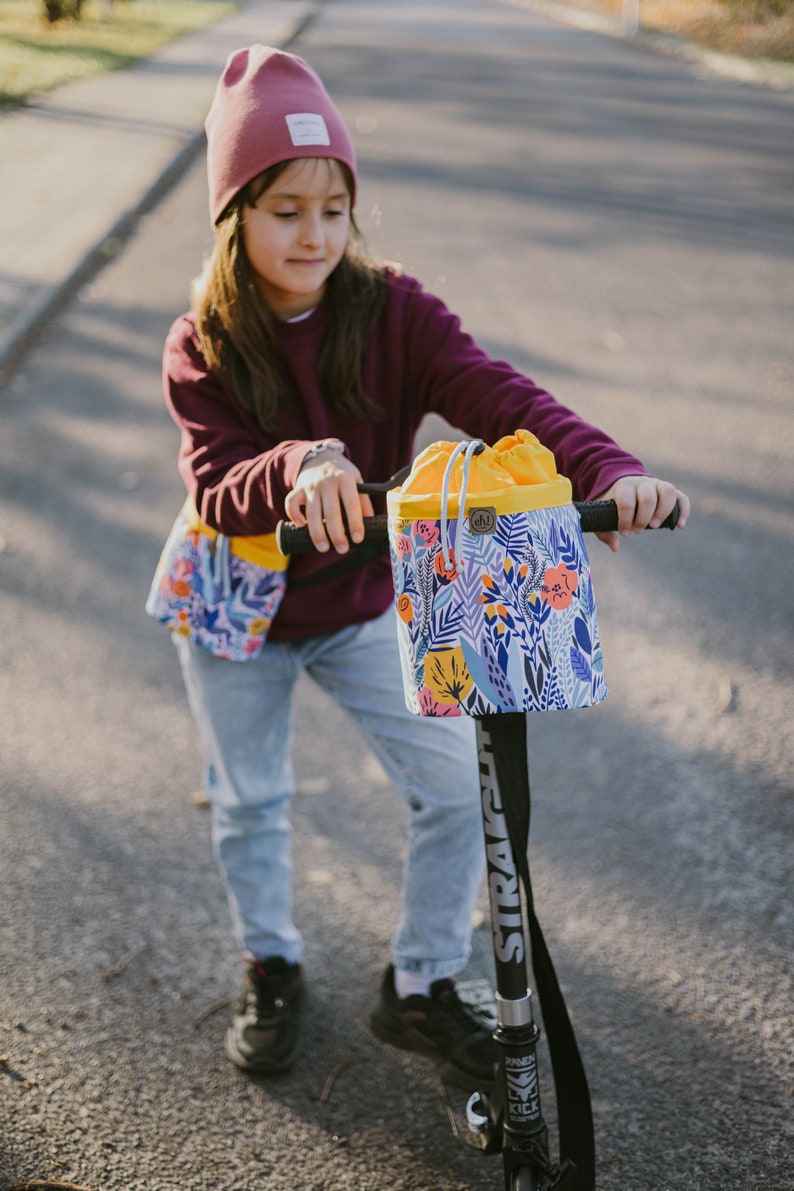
{"type": "Point", "coordinates": [348, 562]}
{"type": "Point", "coordinates": [575, 1114]}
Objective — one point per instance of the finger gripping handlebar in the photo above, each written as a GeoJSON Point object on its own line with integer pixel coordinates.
{"type": "Point", "coordinates": [596, 516]}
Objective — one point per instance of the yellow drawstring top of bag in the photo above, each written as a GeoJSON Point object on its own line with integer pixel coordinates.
{"type": "Point", "coordinates": [515, 475]}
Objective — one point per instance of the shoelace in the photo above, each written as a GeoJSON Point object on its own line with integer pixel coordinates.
{"type": "Point", "coordinates": [463, 1015]}
{"type": "Point", "coordinates": [467, 449]}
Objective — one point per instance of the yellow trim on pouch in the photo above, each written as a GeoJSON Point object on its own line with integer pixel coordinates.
{"type": "Point", "coordinates": [260, 549]}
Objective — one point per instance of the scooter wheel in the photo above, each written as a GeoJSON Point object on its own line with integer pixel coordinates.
{"type": "Point", "coordinates": [524, 1178]}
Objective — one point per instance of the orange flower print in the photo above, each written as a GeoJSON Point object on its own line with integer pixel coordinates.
{"type": "Point", "coordinates": [441, 562]}
{"type": "Point", "coordinates": [559, 586]}
{"type": "Point", "coordinates": [181, 588]}
{"type": "Point", "coordinates": [405, 609]}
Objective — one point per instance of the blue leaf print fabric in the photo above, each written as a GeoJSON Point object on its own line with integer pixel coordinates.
{"type": "Point", "coordinates": [509, 626]}
{"type": "Point", "coordinates": [206, 592]}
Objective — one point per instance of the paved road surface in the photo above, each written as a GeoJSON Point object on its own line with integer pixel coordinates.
{"type": "Point", "coordinates": [619, 224]}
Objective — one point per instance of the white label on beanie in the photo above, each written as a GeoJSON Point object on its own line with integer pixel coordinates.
{"type": "Point", "coordinates": [306, 128]}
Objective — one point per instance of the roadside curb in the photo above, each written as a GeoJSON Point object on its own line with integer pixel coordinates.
{"type": "Point", "coordinates": [26, 326]}
{"type": "Point", "coordinates": [23, 327]}
{"type": "Point", "coordinates": [758, 72]}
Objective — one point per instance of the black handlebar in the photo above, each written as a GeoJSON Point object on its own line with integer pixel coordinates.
{"type": "Point", "coordinates": [596, 516]}
{"type": "Point", "coordinates": [294, 539]}
{"type": "Point", "coordinates": [601, 516]}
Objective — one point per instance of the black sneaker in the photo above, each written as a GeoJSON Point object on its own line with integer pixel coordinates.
{"type": "Point", "coordinates": [263, 1034]}
{"type": "Point", "coordinates": [441, 1026]}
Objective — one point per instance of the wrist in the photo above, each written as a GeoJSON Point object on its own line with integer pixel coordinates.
{"type": "Point", "coordinates": [320, 448]}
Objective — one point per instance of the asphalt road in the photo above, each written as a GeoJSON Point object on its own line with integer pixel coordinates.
{"type": "Point", "coordinates": [620, 225]}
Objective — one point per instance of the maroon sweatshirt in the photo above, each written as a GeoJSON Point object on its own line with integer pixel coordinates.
{"type": "Point", "coordinates": [418, 361]}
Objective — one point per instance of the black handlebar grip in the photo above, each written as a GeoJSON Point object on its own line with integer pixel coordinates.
{"type": "Point", "coordinates": [596, 516]}
{"type": "Point", "coordinates": [294, 539]}
{"type": "Point", "coordinates": [601, 516]}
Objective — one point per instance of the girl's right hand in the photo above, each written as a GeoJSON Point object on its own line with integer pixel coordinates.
{"type": "Point", "coordinates": [325, 489]}
{"type": "Point", "coordinates": [643, 502]}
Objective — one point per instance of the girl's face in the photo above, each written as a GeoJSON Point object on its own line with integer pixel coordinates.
{"type": "Point", "coordinates": [296, 233]}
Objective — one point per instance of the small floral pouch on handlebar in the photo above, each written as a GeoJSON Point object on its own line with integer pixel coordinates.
{"type": "Point", "coordinates": [495, 604]}
{"type": "Point", "coordinates": [220, 592]}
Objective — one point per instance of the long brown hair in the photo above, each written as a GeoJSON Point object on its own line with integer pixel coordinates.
{"type": "Point", "coordinates": [236, 328]}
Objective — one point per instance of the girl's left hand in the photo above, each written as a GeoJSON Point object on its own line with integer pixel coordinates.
{"type": "Point", "coordinates": [643, 503]}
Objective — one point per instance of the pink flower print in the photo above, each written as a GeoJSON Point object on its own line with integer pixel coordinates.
{"type": "Point", "coordinates": [402, 546]}
{"type": "Point", "coordinates": [182, 568]}
{"type": "Point", "coordinates": [427, 531]}
{"type": "Point", "coordinates": [430, 706]}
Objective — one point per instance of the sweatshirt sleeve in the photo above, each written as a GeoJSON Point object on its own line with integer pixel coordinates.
{"type": "Point", "coordinates": [237, 475]}
{"type": "Point", "coordinates": [488, 398]}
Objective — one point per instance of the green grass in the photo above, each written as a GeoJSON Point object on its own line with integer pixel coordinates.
{"type": "Point", "coordinates": [37, 56]}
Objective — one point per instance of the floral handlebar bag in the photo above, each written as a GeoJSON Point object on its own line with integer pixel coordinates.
{"type": "Point", "coordinates": [495, 604]}
{"type": "Point", "coordinates": [220, 592]}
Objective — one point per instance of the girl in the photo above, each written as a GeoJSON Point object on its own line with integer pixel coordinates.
{"type": "Point", "coordinates": [303, 367]}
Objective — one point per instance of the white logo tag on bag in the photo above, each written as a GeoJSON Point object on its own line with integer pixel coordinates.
{"type": "Point", "coordinates": [306, 128]}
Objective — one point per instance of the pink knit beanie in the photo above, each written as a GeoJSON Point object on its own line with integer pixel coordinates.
{"type": "Point", "coordinates": [269, 106]}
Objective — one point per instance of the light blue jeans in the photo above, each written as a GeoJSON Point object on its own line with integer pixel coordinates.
{"type": "Point", "coordinates": [243, 712]}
